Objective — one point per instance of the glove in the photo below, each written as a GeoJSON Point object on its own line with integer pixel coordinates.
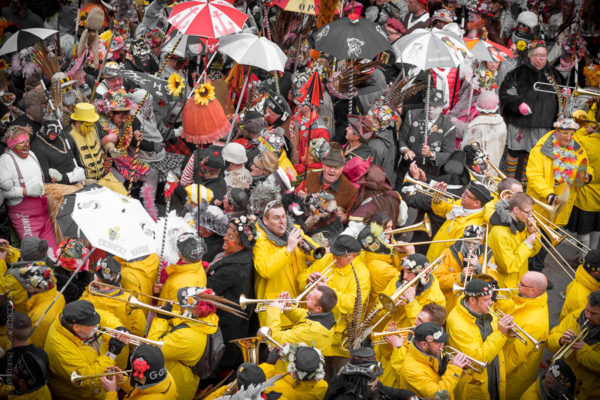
{"type": "Point", "coordinates": [77, 175]}
{"type": "Point", "coordinates": [524, 109]}
{"type": "Point", "coordinates": [550, 199]}
{"type": "Point", "coordinates": [273, 356]}
{"type": "Point", "coordinates": [55, 174]}
{"type": "Point", "coordinates": [166, 307]}
{"type": "Point", "coordinates": [158, 146]}
{"type": "Point", "coordinates": [112, 150]}
{"type": "Point", "coordinates": [178, 131]}
{"type": "Point", "coordinates": [36, 191]}
{"type": "Point", "coordinates": [115, 345]}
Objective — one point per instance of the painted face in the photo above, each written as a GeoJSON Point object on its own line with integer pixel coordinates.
{"type": "Point", "coordinates": [22, 147]}
{"type": "Point", "coordinates": [85, 128]}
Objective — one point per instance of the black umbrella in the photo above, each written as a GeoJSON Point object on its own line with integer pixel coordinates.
{"type": "Point", "coordinates": [67, 225]}
{"type": "Point", "coordinates": [25, 38]}
{"type": "Point", "coordinates": [351, 37]}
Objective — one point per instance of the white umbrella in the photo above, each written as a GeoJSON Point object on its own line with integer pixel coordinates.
{"type": "Point", "coordinates": [25, 38]}
{"type": "Point", "coordinates": [430, 48]}
{"type": "Point", "coordinates": [115, 223]}
{"type": "Point", "coordinates": [249, 49]}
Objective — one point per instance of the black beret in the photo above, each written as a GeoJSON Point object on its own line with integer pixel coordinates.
{"type": "Point", "coordinates": [345, 244]}
{"type": "Point", "coordinates": [81, 312]}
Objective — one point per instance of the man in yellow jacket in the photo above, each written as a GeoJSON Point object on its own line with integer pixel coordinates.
{"type": "Point", "coordinates": [514, 238]}
{"type": "Point", "coordinates": [185, 340]}
{"type": "Point", "coordinates": [459, 214]}
{"type": "Point", "coordinates": [479, 335]}
{"type": "Point", "coordinates": [278, 261]}
{"type": "Point", "coordinates": [425, 370]}
{"type": "Point", "coordinates": [587, 280]}
{"type": "Point", "coordinates": [585, 359]}
{"type": "Point", "coordinates": [315, 324]}
{"type": "Point", "coordinates": [72, 345]}
{"type": "Point", "coordinates": [344, 259]}
{"type": "Point", "coordinates": [149, 379]}
{"type": "Point", "coordinates": [553, 164]}
{"type": "Point", "coordinates": [557, 382]}
{"type": "Point", "coordinates": [139, 275]}
{"type": "Point", "coordinates": [530, 311]}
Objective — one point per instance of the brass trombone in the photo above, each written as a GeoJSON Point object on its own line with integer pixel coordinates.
{"type": "Point", "coordinates": [424, 226]}
{"type": "Point", "coordinates": [519, 332]}
{"type": "Point", "coordinates": [133, 339]}
{"type": "Point", "coordinates": [429, 190]}
{"type": "Point", "coordinates": [567, 349]}
{"type": "Point", "coordinates": [96, 378]}
{"type": "Point", "coordinates": [577, 90]}
{"type": "Point", "coordinates": [457, 288]}
{"type": "Point", "coordinates": [376, 336]}
{"type": "Point", "coordinates": [474, 366]}
{"type": "Point", "coordinates": [265, 334]}
{"type": "Point", "coordinates": [437, 241]}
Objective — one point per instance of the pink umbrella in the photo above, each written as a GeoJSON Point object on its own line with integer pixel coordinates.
{"type": "Point", "coordinates": [207, 18]}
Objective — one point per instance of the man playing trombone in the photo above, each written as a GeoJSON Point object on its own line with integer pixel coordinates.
{"type": "Point", "coordinates": [315, 324]}
{"type": "Point", "coordinates": [426, 370]}
{"type": "Point", "coordinates": [577, 341]}
{"type": "Point", "coordinates": [530, 312]}
{"type": "Point", "coordinates": [513, 240]}
{"type": "Point", "coordinates": [587, 280]}
{"type": "Point", "coordinates": [480, 335]}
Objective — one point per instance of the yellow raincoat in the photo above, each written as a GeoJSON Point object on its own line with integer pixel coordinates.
{"type": "Point", "coordinates": [181, 276]}
{"type": "Point", "coordinates": [276, 271]}
{"type": "Point", "coordinates": [466, 338]}
{"type": "Point", "coordinates": [68, 353]}
{"type": "Point", "coordinates": [382, 269]}
{"type": "Point", "coordinates": [533, 392]}
{"type": "Point", "coordinates": [393, 367]}
{"type": "Point", "coordinates": [523, 361]}
{"type": "Point", "coordinates": [304, 330]}
{"type": "Point", "coordinates": [344, 285]}
{"type": "Point", "coordinates": [12, 257]}
{"type": "Point", "coordinates": [140, 276]}
{"type": "Point", "coordinates": [36, 306]}
{"type": "Point", "coordinates": [450, 272]}
{"type": "Point", "coordinates": [165, 390]}
{"type": "Point", "coordinates": [420, 374]}
{"type": "Point", "coordinates": [585, 362]}
{"type": "Point", "coordinates": [184, 344]}
{"type": "Point", "coordinates": [42, 393]}
{"type": "Point", "coordinates": [588, 198]}
{"type": "Point", "coordinates": [511, 254]}
{"type": "Point", "coordinates": [292, 389]}
{"type": "Point", "coordinates": [578, 291]}
{"type": "Point", "coordinates": [452, 228]}
{"type": "Point", "coordinates": [540, 176]}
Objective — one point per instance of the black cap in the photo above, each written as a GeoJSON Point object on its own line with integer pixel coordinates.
{"type": "Point", "coordinates": [33, 249]}
{"type": "Point", "coordinates": [473, 231]}
{"type": "Point", "coordinates": [481, 192]}
{"type": "Point", "coordinates": [478, 288]}
{"type": "Point", "coordinates": [81, 312]}
{"type": "Point", "coordinates": [307, 359]}
{"type": "Point", "coordinates": [415, 262]}
{"type": "Point", "coordinates": [436, 97]}
{"type": "Point", "coordinates": [249, 374]}
{"type": "Point", "coordinates": [278, 104]}
{"type": "Point", "coordinates": [430, 332]}
{"type": "Point", "coordinates": [32, 367]}
{"type": "Point", "coordinates": [335, 157]}
{"type": "Point", "coordinates": [345, 244]}
{"type": "Point", "coordinates": [214, 161]}
{"type": "Point", "coordinates": [362, 362]}
{"type": "Point", "coordinates": [108, 270]}
{"type": "Point", "coordinates": [591, 262]}
{"type": "Point", "coordinates": [148, 362]}
{"type": "Point", "coordinates": [191, 246]}
{"type": "Point", "coordinates": [561, 371]}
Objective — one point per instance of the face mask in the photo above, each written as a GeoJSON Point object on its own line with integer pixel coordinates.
{"type": "Point", "coordinates": [86, 128]}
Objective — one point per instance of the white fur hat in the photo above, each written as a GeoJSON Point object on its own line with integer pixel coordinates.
{"type": "Point", "coordinates": [528, 18]}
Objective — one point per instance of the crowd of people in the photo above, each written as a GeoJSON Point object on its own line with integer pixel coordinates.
{"type": "Point", "coordinates": [341, 229]}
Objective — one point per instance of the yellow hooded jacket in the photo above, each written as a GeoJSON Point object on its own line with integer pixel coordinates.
{"type": "Point", "coordinates": [140, 276]}
{"type": "Point", "coordinates": [184, 345]}
{"type": "Point", "coordinates": [292, 389]}
{"type": "Point", "coordinates": [382, 269]}
{"type": "Point", "coordinates": [164, 390]}
{"type": "Point", "coordinates": [36, 306]}
{"type": "Point", "coordinates": [465, 336]}
{"type": "Point", "coordinates": [540, 176]}
{"type": "Point", "coordinates": [578, 291]}
{"type": "Point", "coordinates": [588, 198]}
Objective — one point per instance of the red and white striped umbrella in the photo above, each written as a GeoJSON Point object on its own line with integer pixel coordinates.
{"type": "Point", "coordinates": [207, 18]}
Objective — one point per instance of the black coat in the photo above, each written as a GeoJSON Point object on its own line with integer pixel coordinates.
{"type": "Point", "coordinates": [230, 277]}
{"type": "Point", "coordinates": [517, 88]}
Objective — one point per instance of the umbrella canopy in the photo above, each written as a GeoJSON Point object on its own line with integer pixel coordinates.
{"type": "Point", "coordinates": [486, 50]}
{"type": "Point", "coordinates": [249, 49]}
{"type": "Point", "coordinates": [64, 216]}
{"type": "Point", "coordinates": [302, 6]}
{"type": "Point", "coordinates": [25, 38]}
{"type": "Point", "coordinates": [351, 37]}
{"type": "Point", "coordinates": [313, 89]}
{"type": "Point", "coordinates": [428, 49]}
{"type": "Point", "coordinates": [188, 45]}
{"type": "Point", "coordinates": [207, 18]}
{"type": "Point", "coordinates": [114, 223]}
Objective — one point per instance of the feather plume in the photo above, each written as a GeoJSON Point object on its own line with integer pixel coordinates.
{"type": "Point", "coordinates": [326, 12]}
{"type": "Point", "coordinates": [401, 90]}
{"type": "Point", "coordinates": [221, 302]}
{"type": "Point", "coordinates": [354, 327]}
{"type": "Point", "coordinates": [562, 99]}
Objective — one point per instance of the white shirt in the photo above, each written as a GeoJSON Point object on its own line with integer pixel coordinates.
{"type": "Point", "coordinates": [9, 178]}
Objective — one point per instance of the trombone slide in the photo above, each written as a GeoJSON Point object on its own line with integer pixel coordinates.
{"type": "Point", "coordinates": [133, 339]}
{"type": "Point", "coordinates": [76, 378]}
{"type": "Point", "coordinates": [474, 365]}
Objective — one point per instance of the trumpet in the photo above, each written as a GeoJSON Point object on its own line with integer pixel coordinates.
{"type": "Point", "coordinates": [519, 332]}
{"type": "Point", "coordinates": [133, 339]}
{"type": "Point", "coordinates": [429, 190]}
{"type": "Point", "coordinates": [306, 246]}
{"type": "Point", "coordinates": [376, 336]}
{"type": "Point", "coordinates": [474, 366]}
{"type": "Point", "coordinates": [76, 378]}
{"type": "Point", "coordinates": [567, 349]}
{"type": "Point", "coordinates": [265, 334]}
{"type": "Point", "coordinates": [424, 226]}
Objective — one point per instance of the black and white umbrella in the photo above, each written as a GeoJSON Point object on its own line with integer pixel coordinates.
{"type": "Point", "coordinates": [25, 38]}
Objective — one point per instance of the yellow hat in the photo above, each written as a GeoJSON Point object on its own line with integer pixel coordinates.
{"type": "Point", "coordinates": [85, 112]}
{"type": "Point", "coordinates": [205, 193]}
{"type": "Point", "coordinates": [580, 114]}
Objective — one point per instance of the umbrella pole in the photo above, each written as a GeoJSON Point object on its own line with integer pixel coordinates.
{"type": "Point", "coordinates": [351, 88]}
{"type": "Point", "coordinates": [237, 108]}
{"type": "Point", "coordinates": [64, 287]}
{"type": "Point", "coordinates": [308, 142]}
{"type": "Point", "coordinates": [97, 82]}
{"type": "Point", "coordinates": [168, 57]}
{"type": "Point", "coordinates": [426, 112]}
{"type": "Point", "coordinates": [265, 15]}
{"type": "Point", "coordinates": [468, 108]}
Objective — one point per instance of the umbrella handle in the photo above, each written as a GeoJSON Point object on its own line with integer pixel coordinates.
{"type": "Point", "coordinates": [237, 108]}
{"type": "Point", "coordinates": [351, 88]}
{"type": "Point", "coordinates": [426, 112]}
{"type": "Point", "coordinates": [168, 57]}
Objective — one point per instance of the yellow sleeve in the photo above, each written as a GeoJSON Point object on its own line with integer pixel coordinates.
{"type": "Point", "coordinates": [295, 334]}
{"type": "Point", "coordinates": [589, 357]}
{"type": "Point", "coordinates": [485, 352]}
{"type": "Point", "coordinates": [397, 359]}
{"type": "Point", "coordinates": [220, 392]}
{"type": "Point", "coordinates": [427, 387]}
{"type": "Point", "coordinates": [569, 322]}
{"type": "Point", "coordinates": [442, 208]}
{"type": "Point", "coordinates": [509, 259]}
{"type": "Point", "coordinates": [111, 396]}
{"type": "Point", "coordinates": [138, 322]}
{"type": "Point", "coordinates": [268, 264]}
{"type": "Point", "coordinates": [535, 172]}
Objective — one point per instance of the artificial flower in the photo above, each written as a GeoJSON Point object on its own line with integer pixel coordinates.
{"type": "Point", "coordinates": [175, 84]}
{"type": "Point", "coordinates": [106, 36]}
{"type": "Point", "coordinates": [521, 45]}
{"type": "Point", "coordinates": [204, 94]}
{"type": "Point", "coordinates": [564, 162]}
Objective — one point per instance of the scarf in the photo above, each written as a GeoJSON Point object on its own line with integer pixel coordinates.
{"type": "Point", "coordinates": [564, 162]}
{"type": "Point", "coordinates": [593, 336]}
{"type": "Point", "coordinates": [279, 241]}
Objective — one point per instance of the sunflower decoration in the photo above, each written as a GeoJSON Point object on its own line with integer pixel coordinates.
{"type": "Point", "coordinates": [204, 94]}
{"type": "Point", "coordinates": [521, 45]}
{"type": "Point", "coordinates": [175, 84]}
